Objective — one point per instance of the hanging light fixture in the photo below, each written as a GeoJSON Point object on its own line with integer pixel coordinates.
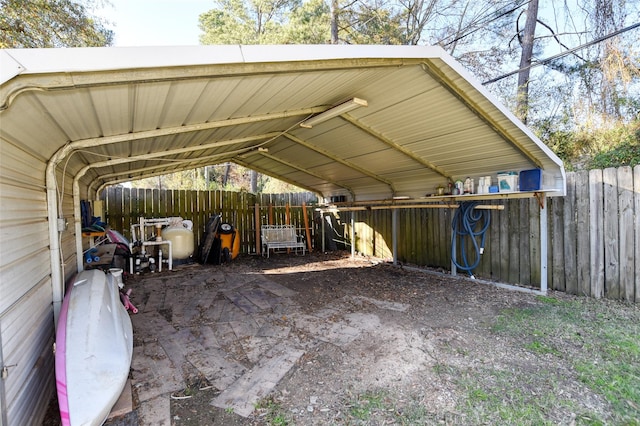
{"type": "Point", "coordinates": [337, 110]}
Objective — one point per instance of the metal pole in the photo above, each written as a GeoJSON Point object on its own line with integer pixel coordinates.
{"type": "Point", "coordinates": [454, 268]}
{"type": "Point", "coordinates": [394, 235]}
{"type": "Point", "coordinates": [323, 231]}
{"type": "Point", "coordinates": [353, 235]}
{"type": "Point", "coordinates": [543, 247]}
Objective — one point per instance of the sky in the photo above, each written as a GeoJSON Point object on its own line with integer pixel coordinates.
{"type": "Point", "coordinates": [155, 22]}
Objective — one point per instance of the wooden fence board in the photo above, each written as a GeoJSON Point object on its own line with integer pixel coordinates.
{"type": "Point", "coordinates": [596, 224]}
{"type": "Point", "coordinates": [424, 218]}
{"type": "Point", "coordinates": [434, 237]}
{"type": "Point", "coordinates": [486, 256]}
{"type": "Point", "coordinates": [504, 242]}
{"type": "Point", "coordinates": [636, 232]}
{"type": "Point", "coordinates": [162, 205]}
{"type": "Point", "coordinates": [155, 203]}
{"type": "Point", "coordinates": [582, 233]}
{"type": "Point", "coordinates": [126, 209]}
{"type": "Point", "coordinates": [534, 242]}
{"type": "Point", "coordinates": [514, 242]}
{"type": "Point", "coordinates": [148, 203]}
{"type": "Point", "coordinates": [625, 216]}
{"type": "Point", "coordinates": [120, 210]}
{"type": "Point", "coordinates": [611, 249]}
{"type": "Point", "coordinates": [570, 237]}
{"type": "Point", "coordinates": [111, 209]}
{"type": "Point", "coordinates": [445, 237]}
{"type": "Point", "coordinates": [556, 241]}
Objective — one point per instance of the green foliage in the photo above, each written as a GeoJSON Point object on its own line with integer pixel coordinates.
{"type": "Point", "coordinates": [247, 22]}
{"type": "Point", "coordinates": [273, 412]}
{"type": "Point", "coordinates": [364, 405]}
{"type": "Point", "coordinates": [50, 23]}
{"type": "Point", "coordinates": [626, 153]}
{"type": "Point", "coordinates": [366, 25]}
{"type": "Point", "coordinates": [308, 24]}
{"type": "Point", "coordinates": [593, 148]}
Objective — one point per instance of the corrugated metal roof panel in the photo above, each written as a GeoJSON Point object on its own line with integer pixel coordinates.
{"type": "Point", "coordinates": [426, 119]}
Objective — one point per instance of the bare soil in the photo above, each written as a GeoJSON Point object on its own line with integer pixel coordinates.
{"type": "Point", "coordinates": [413, 325]}
{"type": "Point", "coordinates": [381, 344]}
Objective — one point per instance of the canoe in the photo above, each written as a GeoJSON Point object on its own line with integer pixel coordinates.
{"type": "Point", "coordinates": [94, 345]}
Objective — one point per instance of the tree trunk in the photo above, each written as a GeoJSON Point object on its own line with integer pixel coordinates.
{"type": "Point", "coordinates": [225, 177]}
{"type": "Point", "coordinates": [334, 21]}
{"type": "Point", "coordinates": [254, 181]}
{"type": "Point", "coordinates": [526, 40]}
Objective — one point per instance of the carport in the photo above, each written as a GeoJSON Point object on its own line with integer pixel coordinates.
{"type": "Point", "coordinates": [366, 126]}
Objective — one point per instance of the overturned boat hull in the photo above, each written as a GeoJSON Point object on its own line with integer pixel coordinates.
{"type": "Point", "coordinates": [94, 345]}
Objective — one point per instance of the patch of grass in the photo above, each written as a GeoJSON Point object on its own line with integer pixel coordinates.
{"type": "Point", "coordinates": [495, 396]}
{"type": "Point", "coordinates": [366, 404]}
{"type": "Point", "coordinates": [597, 339]}
{"type": "Point", "coordinates": [383, 407]}
{"type": "Point", "coordinates": [540, 347]}
{"type": "Point", "coordinates": [612, 367]}
{"type": "Point", "coordinates": [274, 415]}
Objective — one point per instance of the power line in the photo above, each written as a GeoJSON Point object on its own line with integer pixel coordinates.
{"type": "Point", "coordinates": [568, 52]}
{"type": "Point", "coordinates": [482, 25]}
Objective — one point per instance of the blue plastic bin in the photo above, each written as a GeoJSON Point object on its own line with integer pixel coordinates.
{"type": "Point", "coordinates": [531, 180]}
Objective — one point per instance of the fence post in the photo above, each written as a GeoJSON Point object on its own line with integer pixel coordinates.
{"type": "Point", "coordinates": [256, 210]}
{"type": "Point", "coordinates": [544, 206]}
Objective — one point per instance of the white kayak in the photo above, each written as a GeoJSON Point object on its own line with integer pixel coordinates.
{"type": "Point", "coordinates": [94, 345]}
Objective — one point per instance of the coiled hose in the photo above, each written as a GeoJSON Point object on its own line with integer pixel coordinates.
{"type": "Point", "coordinates": [465, 221]}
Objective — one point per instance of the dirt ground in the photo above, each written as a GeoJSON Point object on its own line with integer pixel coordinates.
{"type": "Point", "coordinates": [354, 341]}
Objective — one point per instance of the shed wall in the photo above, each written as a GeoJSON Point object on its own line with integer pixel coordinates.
{"type": "Point", "coordinates": [26, 314]}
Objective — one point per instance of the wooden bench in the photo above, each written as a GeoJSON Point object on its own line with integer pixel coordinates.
{"type": "Point", "coordinates": [280, 237]}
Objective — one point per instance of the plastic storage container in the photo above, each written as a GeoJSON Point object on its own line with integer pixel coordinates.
{"type": "Point", "coordinates": [531, 180]}
{"type": "Point", "coordinates": [508, 181]}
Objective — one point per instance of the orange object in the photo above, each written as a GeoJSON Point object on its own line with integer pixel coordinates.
{"type": "Point", "coordinates": [229, 242]}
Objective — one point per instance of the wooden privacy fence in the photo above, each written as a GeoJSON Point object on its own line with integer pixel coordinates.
{"type": "Point", "coordinates": [125, 206]}
{"type": "Point", "coordinates": [593, 232]}
{"type": "Point", "coordinates": [593, 237]}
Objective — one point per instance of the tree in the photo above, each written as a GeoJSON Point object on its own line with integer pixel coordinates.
{"type": "Point", "coordinates": [505, 42]}
{"type": "Point", "coordinates": [51, 23]}
{"type": "Point", "coordinates": [526, 38]}
{"type": "Point", "coordinates": [370, 22]}
{"type": "Point", "coordinates": [246, 22]}
{"type": "Point", "coordinates": [309, 24]}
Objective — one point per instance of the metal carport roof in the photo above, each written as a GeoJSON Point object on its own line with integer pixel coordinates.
{"type": "Point", "coordinates": [98, 116]}
{"type": "Point", "coordinates": [74, 120]}
{"type": "Point", "coordinates": [116, 114]}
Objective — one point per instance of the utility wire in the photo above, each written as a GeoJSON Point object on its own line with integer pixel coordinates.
{"type": "Point", "coordinates": [481, 25]}
{"type": "Point", "coordinates": [568, 52]}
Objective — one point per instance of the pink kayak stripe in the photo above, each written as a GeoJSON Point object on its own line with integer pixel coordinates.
{"type": "Point", "coordinates": [61, 371]}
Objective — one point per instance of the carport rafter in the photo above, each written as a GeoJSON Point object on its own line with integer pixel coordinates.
{"type": "Point", "coordinates": [239, 161]}
{"type": "Point", "coordinates": [395, 146]}
{"type": "Point", "coordinates": [452, 88]}
{"type": "Point", "coordinates": [217, 144]}
{"type": "Point", "coordinates": [188, 161]}
{"type": "Point", "coordinates": [52, 82]}
{"type": "Point", "coordinates": [168, 131]}
{"type": "Point", "coordinates": [341, 161]}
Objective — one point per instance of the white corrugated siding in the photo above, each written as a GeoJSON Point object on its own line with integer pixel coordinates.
{"type": "Point", "coordinates": [26, 315]}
